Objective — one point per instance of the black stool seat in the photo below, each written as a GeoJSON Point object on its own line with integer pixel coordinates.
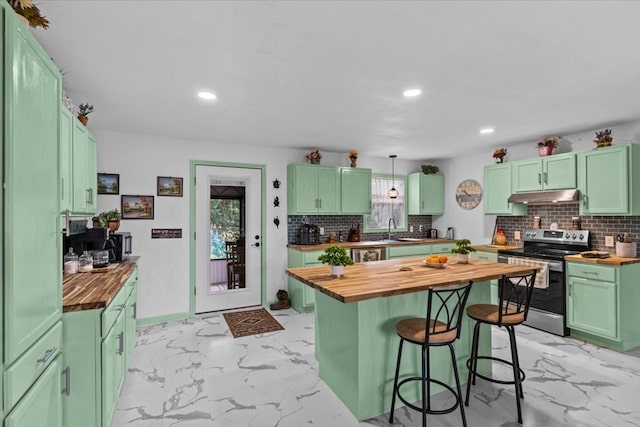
{"type": "Point", "coordinates": [441, 326]}
{"type": "Point", "coordinates": [515, 296]}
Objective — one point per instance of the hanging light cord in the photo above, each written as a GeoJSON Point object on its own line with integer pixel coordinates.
{"type": "Point", "coordinates": [393, 193]}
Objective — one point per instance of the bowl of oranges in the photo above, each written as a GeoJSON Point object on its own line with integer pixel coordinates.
{"type": "Point", "coordinates": [435, 261]}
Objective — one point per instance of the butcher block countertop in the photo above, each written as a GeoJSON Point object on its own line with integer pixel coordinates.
{"type": "Point", "coordinates": [378, 279]}
{"type": "Point", "coordinates": [88, 291]}
{"type": "Point", "coordinates": [613, 260]}
{"type": "Point", "coordinates": [368, 244]}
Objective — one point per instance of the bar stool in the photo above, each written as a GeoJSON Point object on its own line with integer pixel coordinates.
{"type": "Point", "coordinates": [515, 296]}
{"type": "Point", "coordinates": [445, 307]}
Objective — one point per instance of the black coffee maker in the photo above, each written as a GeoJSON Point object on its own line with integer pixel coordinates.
{"type": "Point", "coordinates": [92, 239]}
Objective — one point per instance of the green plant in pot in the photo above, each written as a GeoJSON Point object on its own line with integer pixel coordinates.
{"type": "Point", "coordinates": [462, 249]}
{"type": "Point", "coordinates": [109, 219]}
{"type": "Point", "coordinates": [337, 258]}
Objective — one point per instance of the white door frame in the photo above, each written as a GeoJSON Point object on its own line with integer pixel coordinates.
{"type": "Point", "coordinates": [192, 226]}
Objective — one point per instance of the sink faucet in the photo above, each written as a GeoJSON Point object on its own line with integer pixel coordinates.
{"type": "Point", "coordinates": [392, 219]}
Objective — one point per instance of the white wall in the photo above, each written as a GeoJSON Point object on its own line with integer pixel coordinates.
{"type": "Point", "coordinates": [473, 224]}
{"type": "Point", "coordinates": [164, 263]}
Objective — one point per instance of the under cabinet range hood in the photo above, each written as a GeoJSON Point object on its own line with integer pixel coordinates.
{"type": "Point", "coordinates": [546, 197]}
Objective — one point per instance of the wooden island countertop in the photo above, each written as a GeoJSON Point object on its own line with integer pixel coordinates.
{"type": "Point", "coordinates": [88, 291]}
{"type": "Point", "coordinates": [379, 279]}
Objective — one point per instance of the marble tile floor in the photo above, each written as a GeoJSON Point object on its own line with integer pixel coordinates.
{"type": "Point", "coordinates": [194, 373]}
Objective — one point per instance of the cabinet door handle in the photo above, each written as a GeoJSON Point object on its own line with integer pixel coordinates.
{"type": "Point", "coordinates": [62, 192]}
{"type": "Point", "coordinates": [67, 381]}
{"type": "Point", "coordinates": [134, 315]}
{"type": "Point", "coordinates": [118, 307]}
{"type": "Point", "coordinates": [320, 201]}
{"type": "Point", "coordinates": [546, 181]}
{"type": "Point", "coordinates": [120, 343]}
{"type": "Point", "coordinates": [539, 178]}
{"type": "Point", "coordinates": [570, 289]}
{"type": "Point", "coordinates": [47, 355]}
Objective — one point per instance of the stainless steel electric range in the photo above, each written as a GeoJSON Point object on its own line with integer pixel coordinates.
{"type": "Point", "coordinates": [547, 248]}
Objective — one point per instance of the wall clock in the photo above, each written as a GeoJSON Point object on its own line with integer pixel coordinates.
{"type": "Point", "coordinates": [469, 194]}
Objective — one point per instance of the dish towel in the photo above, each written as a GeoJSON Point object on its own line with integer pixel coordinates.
{"type": "Point", "coordinates": [542, 277]}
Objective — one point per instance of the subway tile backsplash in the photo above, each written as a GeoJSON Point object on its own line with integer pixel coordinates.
{"type": "Point", "coordinates": [599, 226]}
{"type": "Point", "coordinates": [338, 223]}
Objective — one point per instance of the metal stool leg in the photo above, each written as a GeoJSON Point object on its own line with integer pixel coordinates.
{"type": "Point", "coordinates": [395, 381]}
{"type": "Point", "coordinates": [473, 361]}
{"type": "Point", "coordinates": [426, 385]}
{"type": "Point", "coordinates": [516, 369]}
{"type": "Point", "coordinates": [455, 373]}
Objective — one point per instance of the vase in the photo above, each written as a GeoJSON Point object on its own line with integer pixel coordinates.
{"type": "Point", "coordinates": [462, 258]}
{"type": "Point", "coordinates": [113, 224]}
{"type": "Point", "coordinates": [499, 159]}
{"type": "Point", "coordinates": [353, 161]}
{"type": "Point", "coordinates": [337, 270]}
{"type": "Point", "coordinates": [83, 119]}
{"type": "Point", "coordinates": [314, 161]}
{"type": "Point", "coordinates": [545, 150]}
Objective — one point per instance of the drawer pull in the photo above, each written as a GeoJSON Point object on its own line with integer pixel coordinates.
{"type": "Point", "coordinates": [118, 307]}
{"type": "Point", "coordinates": [121, 343]}
{"type": "Point", "coordinates": [590, 272]}
{"type": "Point", "coordinates": [47, 355]}
{"type": "Point", "coordinates": [67, 381]}
{"type": "Point", "coordinates": [484, 257]}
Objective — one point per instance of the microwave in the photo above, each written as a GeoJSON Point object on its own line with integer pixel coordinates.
{"type": "Point", "coordinates": [121, 246]}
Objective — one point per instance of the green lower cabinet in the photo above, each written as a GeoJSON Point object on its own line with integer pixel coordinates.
{"type": "Point", "coordinates": [602, 304]}
{"type": "Point", "coordinates": [42, 404]}
{"type": "Point", "coordinates": [113, 368]}
{"type": "Point", "coordinates": [302, 296]}
{"type": "Point", "coordinates": [130, 324]}
{"type": "Point", "coordinates": [408, 251]}
{"type": "Point", "coordinates": [442, 248]}
{"type": "Point", "coordinates": [493, 257]}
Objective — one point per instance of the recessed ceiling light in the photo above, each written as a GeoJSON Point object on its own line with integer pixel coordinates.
{"type": "Point", "coordinates": [207, 95]}
{"type": "Point", "coordinates": [486, 131]}
{"type": "Point", "coordinates": [411, 92]}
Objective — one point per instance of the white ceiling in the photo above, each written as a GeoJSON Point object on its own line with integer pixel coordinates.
{"type": "Point", "coordinates": [330, 74]}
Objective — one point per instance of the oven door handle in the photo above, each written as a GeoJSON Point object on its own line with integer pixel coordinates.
{"type": "Point", "coordinates": [553, 265]}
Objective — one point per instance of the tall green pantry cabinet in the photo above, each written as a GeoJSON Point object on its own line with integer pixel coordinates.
{"type": "Point", "coordinates": [31, 264]}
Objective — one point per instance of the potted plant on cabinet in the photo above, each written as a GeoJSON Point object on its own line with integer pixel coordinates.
{"type": "Point", "coordinates": [337, 258]}
{"type": "Point", "coordinates": [83, 111]}
{"type": "Point", "coordinates": [109, 219]}
{"type": "Point", "coordinates": [547, 144]}
{"type": "Point", "coordinates": [29, 13]}
{"type": "Point", "coordinates": [603, 138]}
{"type": "Point", "coordinates": [462, 249]}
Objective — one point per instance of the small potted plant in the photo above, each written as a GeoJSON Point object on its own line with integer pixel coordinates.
{"type": "Point", "coordinates": [499, 154]}
{"type": "Point", "coordinates": [337, 258]}
{"type": "Point", "coordinates": [353, 156]}
{"type": "Point", "coordinates": [547, 144]}
{"type": "Point", "coordinates": [314, 157]}
{"type": "Point", "coordinates": [430, 169]}
{"type": "Point", "coordinates": [83, 111]}
{"type": "Point", "coordinates": [29, 13]}
{"type": "Point", "coordinates": [603, 138]}
{"type": "Point", "coordinates": [109, 219]}
{"type": "Point", "coordinates": [462, 249]}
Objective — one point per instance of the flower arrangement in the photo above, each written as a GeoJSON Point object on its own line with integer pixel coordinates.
{"type": "Point", "coordinates": [314, 157]}
{"type": "Point", "coordinates": [603, 138]}
{"type": "Point", "coordinates": [30, 12]}
{"type": "Point", "coordinates": [429, 169]}
{"type": "Point", "coordinates": [84, 109]}
{"type": "Point", "coordinates": [499, 154]}
{"type": "Point", "coordinates": [549, 141]}
{"type": "Point", "coordinates": [353, 156]}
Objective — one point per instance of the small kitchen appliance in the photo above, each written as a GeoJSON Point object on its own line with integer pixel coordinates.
{"type": "Point", "coordinates": [546, 249]}
{"type": "Point", "coordinates": [432, 233]}
{"type": "Point", "coordinates": [308, 234]}
{"type": "Point", "coordinates": [119, 246]}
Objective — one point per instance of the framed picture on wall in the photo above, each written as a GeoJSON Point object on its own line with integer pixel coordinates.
{"type": "Point", "coordinates": [136, 207]}
{"type": "Point", "coordinates": [169, 186]}
{"type": "Point", "coordinates": [108, 183]}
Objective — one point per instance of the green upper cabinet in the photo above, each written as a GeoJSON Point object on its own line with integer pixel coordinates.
{"type": "Point", "coordinates": [546, 173]}
{"type": "Point", "coordinates": [32, 237]}
{"type": "Point", "coordinates": [609, 180]}
{"type": "Point", "coordinates": [355, 190]}
{"type": "Point", "coordinates": [497, 189]}
{"type": "Point", "coordinates": [84, 170]}
{"type": "Point", "coordinates": [66, 145]}
{"type": "Point", "coordinates": [425, 194]}
{"type": "Point", "coordinates": [313, 189]}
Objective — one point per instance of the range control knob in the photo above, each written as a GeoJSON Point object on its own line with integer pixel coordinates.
{"type": "Point", "coordinates": [574, 235]}
{"type": "Point", "coordinates": [581, 236]}
{"type": "Point", "coordinates": [567, 236]}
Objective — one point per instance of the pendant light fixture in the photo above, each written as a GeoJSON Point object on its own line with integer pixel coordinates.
{"type": "Point", "coordinates": [393, 193]}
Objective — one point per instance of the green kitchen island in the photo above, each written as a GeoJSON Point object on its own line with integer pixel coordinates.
{"type": "Point", "coordinates": [355, 317]}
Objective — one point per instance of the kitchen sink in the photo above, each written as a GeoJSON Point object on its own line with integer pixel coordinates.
{"type": "Point", "coordinates": [402, 239]}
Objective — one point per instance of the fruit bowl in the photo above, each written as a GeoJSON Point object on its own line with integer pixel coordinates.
{"type": "Point", "coordinates": [433, 264]}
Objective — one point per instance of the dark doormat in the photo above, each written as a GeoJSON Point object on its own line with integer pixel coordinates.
{"type": "Point", "coordinates": [251, 322]}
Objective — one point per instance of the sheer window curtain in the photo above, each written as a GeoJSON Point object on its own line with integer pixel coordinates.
{"type": "Point", "coordinates": [383, 207]}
